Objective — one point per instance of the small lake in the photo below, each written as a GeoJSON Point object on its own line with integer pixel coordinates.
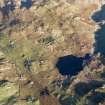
{"type": "Point", "coordinates": [71, 65]}
{"type": "Point", "coordinates": [26, 3]}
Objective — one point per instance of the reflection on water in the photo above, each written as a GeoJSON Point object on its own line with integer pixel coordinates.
{"type": "Point", "coordinates": [99, 45]}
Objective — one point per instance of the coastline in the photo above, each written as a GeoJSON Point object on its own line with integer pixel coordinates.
{"type": "Point", "coordinates": [97, 27]}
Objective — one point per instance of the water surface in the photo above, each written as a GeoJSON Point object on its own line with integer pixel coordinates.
{"type": "Point", "coordinates": [99, 45]}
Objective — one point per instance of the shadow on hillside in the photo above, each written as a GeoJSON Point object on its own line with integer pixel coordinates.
{"type": "Point", "coordinates": [83, 88]}
{"type": "Point", "coordinates": [7, 8]}
{"type": "Point", "coordinates": [99, 17]}
{"type": "Point", "coordinates": [97, 97]}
